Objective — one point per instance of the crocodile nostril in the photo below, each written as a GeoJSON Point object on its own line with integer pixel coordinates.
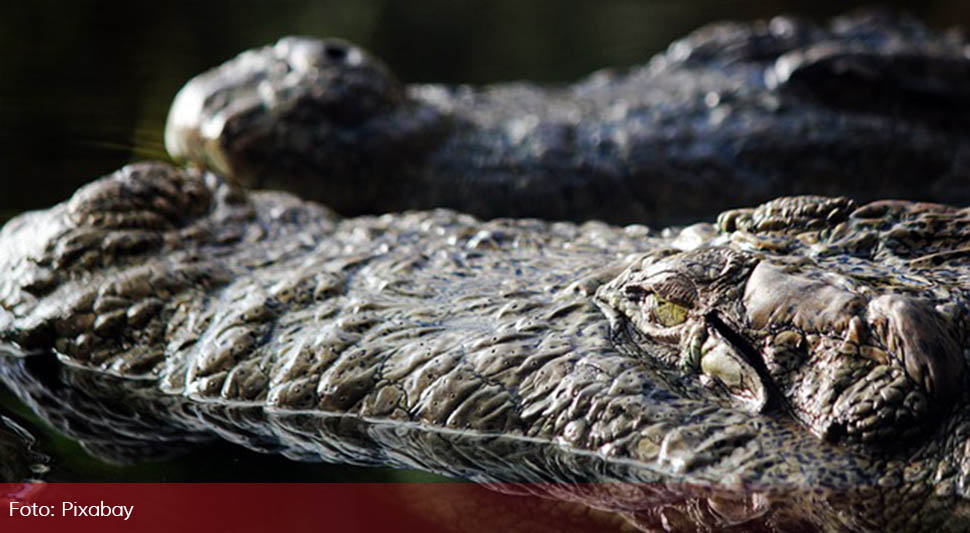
{"type": "Point", "coordinates": [335, 52]}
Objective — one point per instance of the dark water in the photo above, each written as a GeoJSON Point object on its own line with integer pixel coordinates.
{"type": "Point", "coordinates": [54, 457]}
{"type": "Point", "coordinates": [63, 460]}
{"type": "Point", "coordinates": [87, 84]}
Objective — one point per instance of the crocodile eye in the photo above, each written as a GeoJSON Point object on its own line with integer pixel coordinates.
{"type": "Point", "coordinates": [667, 313]}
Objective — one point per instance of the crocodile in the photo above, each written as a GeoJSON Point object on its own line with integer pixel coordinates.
{"type": "Point", "coordinates": [771, 353]}
{"type": "Point", "coordinates": [796, 365]}
{"type": "Point", "coordinates": [735, 114]}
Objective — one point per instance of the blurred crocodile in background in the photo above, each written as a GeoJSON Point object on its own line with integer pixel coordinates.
{"type": "Point", "coordinates": [801, 364]}
{"type": "Point", "coordinates": [869, 106]}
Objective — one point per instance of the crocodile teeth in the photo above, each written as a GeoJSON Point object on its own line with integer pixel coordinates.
{"type": "Point", "coordinates": [722, 362]}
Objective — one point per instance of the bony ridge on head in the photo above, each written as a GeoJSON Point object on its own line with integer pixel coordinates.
{"type": "Point", "coordinates": [767, 334]}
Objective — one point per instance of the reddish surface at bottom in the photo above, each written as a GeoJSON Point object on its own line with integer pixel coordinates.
{"type": "Point", "coordinates": [298, 507]}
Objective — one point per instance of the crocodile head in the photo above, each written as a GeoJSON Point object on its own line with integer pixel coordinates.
{"type": "Point", "coordinates": [851, 363]}
{"type": "Point", "coordinates": [300, 103]}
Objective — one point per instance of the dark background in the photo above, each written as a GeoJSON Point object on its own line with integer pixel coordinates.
{"type": "Point", "coordinates": [85, 85]}
{"type": "Point", "coordinates": [85, 88]}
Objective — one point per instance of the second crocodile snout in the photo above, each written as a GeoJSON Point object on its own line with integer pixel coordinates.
{"type": "Point", "coordinates": [731, 115]}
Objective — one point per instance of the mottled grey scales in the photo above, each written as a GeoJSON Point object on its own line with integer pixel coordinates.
{"type": "Point", "coordinates": [513, 350]}
{"type": "Point", "coordinates": [735, 114]}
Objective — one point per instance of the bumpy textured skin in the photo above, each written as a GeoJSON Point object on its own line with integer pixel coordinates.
{"type": "Point", "coordinates": [730, 116]}
{"type": "Point", "coordinates": [855, 348]}
{"type": "Point", "coordinates": [491, 351]}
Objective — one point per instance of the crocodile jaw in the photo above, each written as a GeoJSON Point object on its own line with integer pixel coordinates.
{"type": "Point", "coordinates": [225, 118]}
{"type": "Point", "coordinates": [851, 365]}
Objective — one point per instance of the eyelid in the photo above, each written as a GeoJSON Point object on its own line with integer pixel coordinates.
{"type": "Point", "coordinates": [662, 300]}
